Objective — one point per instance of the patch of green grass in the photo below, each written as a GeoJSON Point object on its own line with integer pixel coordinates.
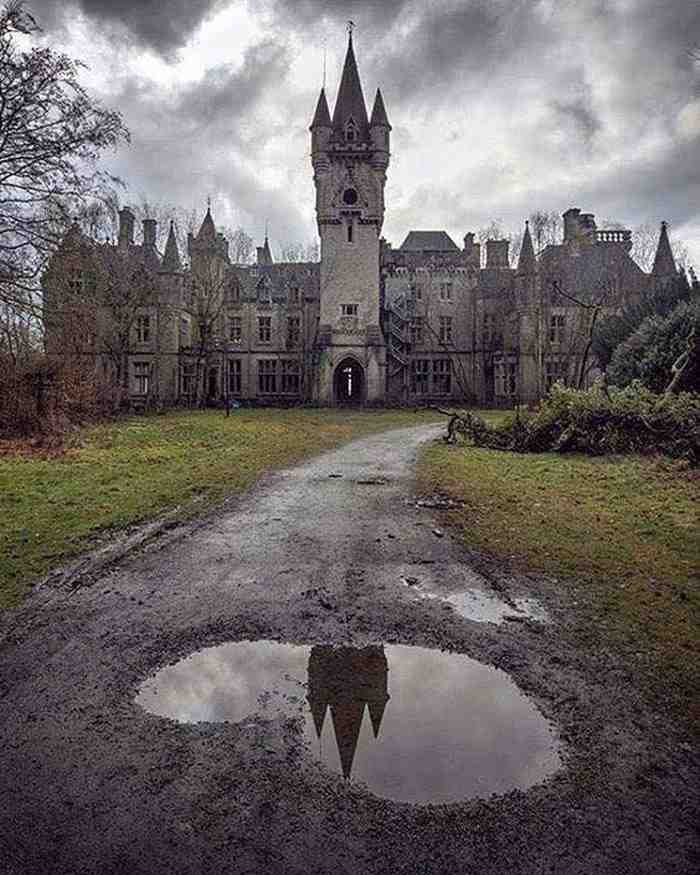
{"type": "Point", "coordinates": [622, 531]}
{"type": "Point", "coordinates": [123, 472]}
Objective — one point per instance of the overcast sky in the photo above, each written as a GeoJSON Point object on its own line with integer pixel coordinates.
{"type": "Point", "coordinates": [498, 107]}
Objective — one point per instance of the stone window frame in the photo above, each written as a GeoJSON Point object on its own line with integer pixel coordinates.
{"type": "Point", "coordinates": [442, 376]}
{"type": "Point", "coordinates": [446, 291]}
{"type": "Point", "coordinates": [505, 376]}
{"type": "Point", "coordinates": [420, 376]}
{"type": "Point", "coordinates": [416, 329]}
{"type": "Point", "coordinates": [267, 376]}
{"type": "Point", "coordinates": [557, 326]}
{"type": "Point", "coordinates": [265, 329]}
{"type": "Point", "coordinates": [290, 377]}
{"type": "Point", "coordinates": [446, 329]}
{"type": "Point", "coordinates": [235, 329]}
{"type": "Point", "coordinates": [349, 311]}
{"type": "Point", "coordinates": [293, 331]}
{"type": "Point", "coordinates": [141, 377]}
{"type": "Point", "coordinates": [234, 375]}
{"type": "Point", "coordinates": [188, 373]}
{"type": "Point", "coordinates": [142, 328]}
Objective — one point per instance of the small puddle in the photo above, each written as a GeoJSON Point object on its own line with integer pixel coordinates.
{"type": "Point", "coordinates": [485, 608]}
{"type": "Point", "coordinates": [412, 724]}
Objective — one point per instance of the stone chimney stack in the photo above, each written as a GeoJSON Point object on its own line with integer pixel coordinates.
{"type": "Point", "coordinates": [497, 253]}
{"type": "Point", "coordinates": [126, 227]}
{"type": "Point", "coordinates": [149, 233]}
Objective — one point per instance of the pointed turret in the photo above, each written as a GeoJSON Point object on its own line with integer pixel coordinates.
{"type": "Point", "coordinates": [207, 233]}
{"type": "Point", "coordinates": [171, 258]}
{"type": "Point", "coordinates": [350, 122]}
{"type": "Point", "coordinates": [322, 116]}
{"type": "Point", "coordinates": [264, 255]}
{"type": "Point", "coordinates": [376, 708]}
{"type": "Point", "coordinates": [379, 116]}
{"type": "Point", "coordinates": [664, 263]}
{"type": "Point", "coordinates": [526, 261]}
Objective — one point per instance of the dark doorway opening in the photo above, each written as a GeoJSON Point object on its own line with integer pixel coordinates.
{"type": "Point", "coordinates": [349, 382]}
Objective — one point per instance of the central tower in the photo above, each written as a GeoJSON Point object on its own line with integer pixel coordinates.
{"type": "Point", "coordinates": [350, 157]}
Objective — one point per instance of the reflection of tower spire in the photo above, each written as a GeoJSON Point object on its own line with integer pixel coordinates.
{"type": "Point", "coordinates": [346, 679]}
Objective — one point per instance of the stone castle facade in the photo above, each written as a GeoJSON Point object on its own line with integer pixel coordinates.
{"type": "Point", "coordinates": [369, 324]}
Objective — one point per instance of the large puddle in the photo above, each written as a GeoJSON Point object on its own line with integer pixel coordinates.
{"type": "Point", "coordinates": [412, 724]}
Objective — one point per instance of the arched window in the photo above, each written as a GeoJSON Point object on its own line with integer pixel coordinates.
{"type": "Point", "coordinates": [351, 130]}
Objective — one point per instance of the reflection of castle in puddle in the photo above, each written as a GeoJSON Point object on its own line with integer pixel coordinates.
{"type": "Point", "coordinates": [346, 679]}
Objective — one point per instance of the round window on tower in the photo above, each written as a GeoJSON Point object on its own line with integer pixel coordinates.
{"type": "Point", "coordinates": [350, 196]}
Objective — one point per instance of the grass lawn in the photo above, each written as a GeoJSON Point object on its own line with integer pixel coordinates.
{"type": "Point", "coordinates": [622, 531]}
{"type": "Point", "coordinates": [131, 470]}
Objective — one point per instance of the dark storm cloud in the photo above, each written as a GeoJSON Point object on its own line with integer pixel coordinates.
{"type": "Point", "coordinates": [162, 25]}
{"type": "Point", "coordinates": [199, 140]}
{"type": "Point", "coordinates": [576, 109]}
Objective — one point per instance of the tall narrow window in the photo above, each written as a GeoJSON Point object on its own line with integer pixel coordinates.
{"type": "Point", "coordinates": [235, 329]}
{"type": "Point", "coordinates": [293, 331]}
{"type": "Point", "coordinates": [234, 377]}
{"type": "Point", "coordinates": [143, 329]}
{"type": "Point", "coordinates": [445, 329]}
{"type": "Point", "coordinates": [141, 378]}
{"type": "Point", "coordinates": [264, 329]}
{"type": "Point", "coordinates": [267, 376]}
{"type": "Point", "coordinates": [349, 230]}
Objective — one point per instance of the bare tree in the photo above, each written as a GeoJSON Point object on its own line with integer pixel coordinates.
{"type": "Point", "coordinates": [51, 135]}
{"type": "Point", "coordinates": [295, 252]}
{"type": "Point", "coordinates": [241, 245]}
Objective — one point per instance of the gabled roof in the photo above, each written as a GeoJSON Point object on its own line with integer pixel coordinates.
{"type": "Point", "coordinates": [379, 116]}
{"type": "Point", "coordinates": [429, 241]}
{"type": "Point", "coordinates": [664, 263]}
{"type": "Point", "coordinates": [350, 102]}
{"type": "Point", "coordinates": [322, 116]}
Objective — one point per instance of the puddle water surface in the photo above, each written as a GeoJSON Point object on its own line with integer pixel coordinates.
{"type": "Point", "coordinates": [412, 724]}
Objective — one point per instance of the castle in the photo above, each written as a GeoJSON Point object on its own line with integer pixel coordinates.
{"type": "Point", "coordinates": [369, 324]}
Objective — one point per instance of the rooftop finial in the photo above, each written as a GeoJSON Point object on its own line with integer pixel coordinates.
{"type": "Point", "coordinates": [351, 27]}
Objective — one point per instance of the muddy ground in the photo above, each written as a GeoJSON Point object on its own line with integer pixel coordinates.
{"type": "Point", "coordinates": [91, 783]}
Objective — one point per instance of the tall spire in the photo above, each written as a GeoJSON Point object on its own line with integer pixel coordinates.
{"type": "Point", "coordinates": [664, 263]}
{"type": "Point", "coordinates": [171, 258]}
{"type": "Point", "coordinates": [350, 102]}
{"type": "Point", "coordinates": [322, 116]}
{"type": "Point", "coordinates": [379, 116]}
{"type": "Point", "coordinates": [526, 261]}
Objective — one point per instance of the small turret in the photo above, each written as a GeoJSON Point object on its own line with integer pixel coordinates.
{"type": "Point", "coordinates": [664, 263]}
{"type": "Point", "coordinates": [207, 232]}
{"type": "Point", "coordinates": [527, 263]}
{"type": "Point", "coordinates": [171, 258]}
{"type": "Point", "coordinates": [126, 227]}
{"type": "Point", "coordinates": [380, 129]}
{"type": "Point", "coordinates": [321, 129]}
{"type": "Point", "coordinates": [264, 256]}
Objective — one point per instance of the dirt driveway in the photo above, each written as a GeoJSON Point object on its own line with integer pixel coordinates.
{"type": "Point", "coordinates": [92, 783]}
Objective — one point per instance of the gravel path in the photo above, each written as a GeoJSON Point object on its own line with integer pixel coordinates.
{"type": "Point", "coordinates": [91, 783]}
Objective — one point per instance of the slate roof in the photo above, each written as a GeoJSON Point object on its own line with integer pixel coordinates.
{"type": "Point", "coordinates": [322, 116]}
{"type": "Point", "coordinates": [379, 116]}
{"type": "Point", "coordinates": [350, 101]}
{"type": "Point", "coordinates": [429, 241]}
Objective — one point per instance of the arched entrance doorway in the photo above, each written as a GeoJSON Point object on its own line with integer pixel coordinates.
{"type": "Point", "coordinates": [349, 382]}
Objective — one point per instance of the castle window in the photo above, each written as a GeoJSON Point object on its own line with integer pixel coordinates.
{"type": "Point", "coordinates": [349, 230]}
{"type": "Point", "coordinates": [142, 371]}
{"type": "Point", "coordinates": [267, 376]}
{"type": "Point", "coordinates": [187, 380]}
{"type": "Point", "coordinates": [293, 331]}
{"type": "Point", "coordinates": [351, 131]}
{"type": "Point", "coordinates": [235, 329]}
{"type": "Point", "coordinates": [417, 330]}
{"type": "Point", "coordinates": [445, 329]}
{"type": "Point", "coordinates": [554, 372]}
{"type": "Point", "coordinates": [350, 197]}
{"type": "Point", "coordinates": [234, 377]}
{"type": "Point", "coordinates": [348, 309]}
{"type": "Point", "coordinates": [442, 376]}
{"type": "Point", "coordinates": [290, 376]}
{"type": "Point", "coordinates": [234, 292]}
{"type": "Point", "coordinates": [294, 296]}
{"type": "Point", "coordinates": [557, 323]}
{"type": "Point", "coordinates": [420, 372]}
{"type": "Point", "coordinates": [445, 291]}
{"type": "Point", "coordinates": [505, 376]}
{"type": "Point", "coordinates": [143, 329]}
{"type": "Point", "coordinates": [264, 329]}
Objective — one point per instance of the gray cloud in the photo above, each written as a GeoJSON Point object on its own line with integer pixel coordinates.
{"type": "Point", "coordinates": [163, 25]}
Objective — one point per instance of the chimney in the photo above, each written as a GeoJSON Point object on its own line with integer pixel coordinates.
{"type": "Point", "coordinates": [126, 227]}
{"type": "Point", "coordinates": [571, 225]}
{"type": "Point", "coordinates": [149, 233]}
{"type": "Point", "coordinates": [497, 253]}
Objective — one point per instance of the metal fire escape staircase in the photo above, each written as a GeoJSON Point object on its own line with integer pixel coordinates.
{"type": "Point", "coordinates": [399, 314]}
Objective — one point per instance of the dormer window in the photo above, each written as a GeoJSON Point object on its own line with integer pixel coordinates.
{"type": "Point", "coordinates": [351, 131]}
